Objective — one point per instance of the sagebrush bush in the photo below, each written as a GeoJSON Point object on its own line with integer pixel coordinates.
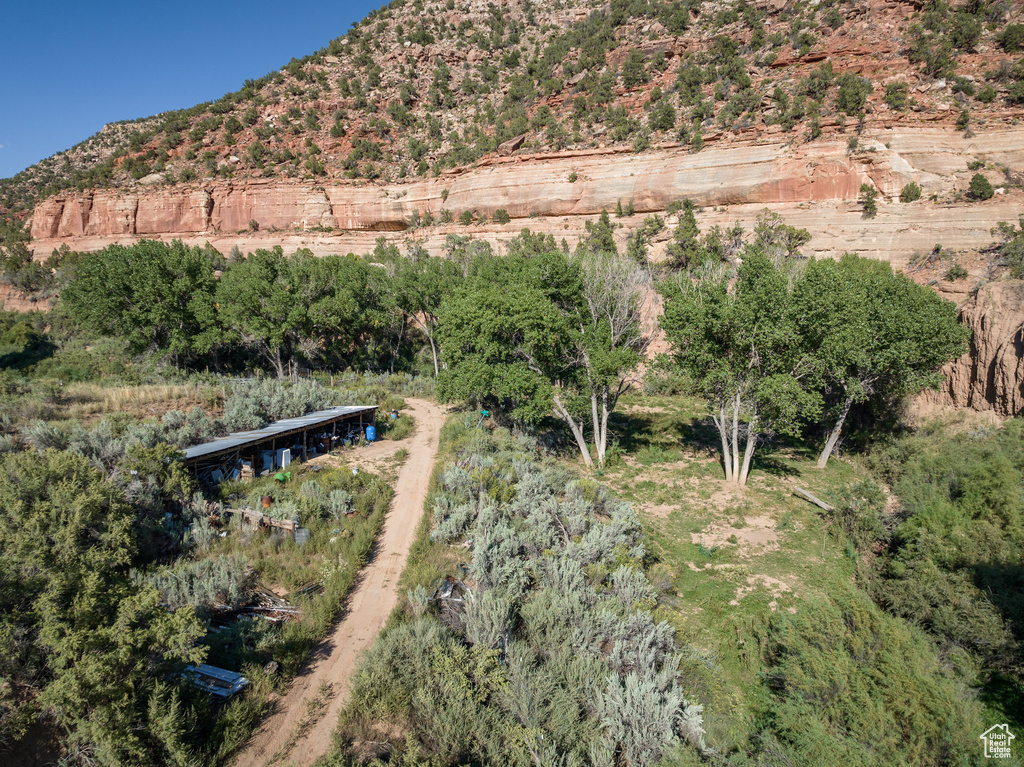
{"type": "Point", "coordinates": [253, 404]}
{"type": "Point", "coordinates": [557, 634]}
{"type": "Point", "coordinates": [203, 584]}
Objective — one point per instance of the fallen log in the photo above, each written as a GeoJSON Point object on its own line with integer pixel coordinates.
{"type": "Point", "coordinates": [813, 499]}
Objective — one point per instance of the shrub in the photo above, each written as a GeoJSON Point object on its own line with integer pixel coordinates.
{"type": "Point", "coordinates": [254, 404]}
{"type": "Point", "coordinates": [911, 192]}
{"type": "Point", "coordinates": [859, 513]}
{"type": "Point", "coordinates": [501, 216]}
{"type": "Point", "coordinates": [956, 272]}
{"type": "Point", "coordinates": [203, 584]}
{"type": "Point", "coordinates": [557, 627]}
{"type": "Point", "coordinates": [314, 166]}
{"type": "Point", "coordinates": [634, 71]}
{"type": "Point", "coordinates": [401, 428]}
{"type": "Point", "coordinates": [868, 197]}
{"type": "Point", "coordinates": [980, 188]}
{"type": "Point", "coordinates": [814, 127]}
{"type": "Point", "coordinates": [987, 94]}
{"type": "Point", "coordinates": [935, 53]}
{"type": "Point", "coordinates": [1012, 38]}
{"type": "Point", "coordinates": [642, 141]}
{"type": "Point", "coordinates": [964, 31]}
{"type": "Point", "coordinates": [1011, 247]}
{"type": "Point", "coordinates": [850, 685]}
{"type": "Point", "coordinates": [853, 93]}
{"type": "Point", "coordinates": [963, 120]}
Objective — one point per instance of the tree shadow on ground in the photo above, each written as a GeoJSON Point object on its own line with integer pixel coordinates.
{"type": "Point", "coordinates": [1003, 693]}
{"type": "Point", "coordinates": [636, 431]}
{"type": "Point", "coordinates": [767, 462]}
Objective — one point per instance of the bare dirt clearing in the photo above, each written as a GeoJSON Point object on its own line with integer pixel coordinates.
{"type": "Point", "coordinates": [752, 535]}
{"type": "Point", "coordinates": [299, 731]}
{"type": "Point", "coordinates": [378, 457]}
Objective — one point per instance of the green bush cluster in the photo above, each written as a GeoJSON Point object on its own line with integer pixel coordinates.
{"type": "Point", "coordinates": [254, 404]}
{"type": "Point", "coordinates": [980, 188]}
{"type": "Point", "coordinates": [911, 192]}
{"type": "Point", "coordinates": [108, 442]}
{"type": "Point", "coordinates": [83, 643]}
{"type": "Point", "coordinates": [1010, 247]}
{"type": "Point", "coordinates": [957, 567]}
{"type": "Point", "coordinates": [850, 685]}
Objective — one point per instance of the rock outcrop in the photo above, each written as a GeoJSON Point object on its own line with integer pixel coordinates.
{"type": "Point", "coordinates": [990, 376]}
{"type": "Point", "coordinates": [13, 300]}
{"type": "Point", "coordinates": [814, 185]}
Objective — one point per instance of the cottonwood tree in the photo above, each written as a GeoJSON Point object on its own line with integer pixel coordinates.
{"type": "Point", "coordinates": [288, 308]}
{"type": "Point", "coordinates": [159, 296]}
{"type": "Point", "coordinates": [614, 333]}
{"type": "Point", "coordinates": [867, 332]}
{"type": "Point", "coordinates": [737, 341]}
{"type": "Point", "coordinates": [548, 334]}
{"type": "Point", "coordinates": [423, 285]}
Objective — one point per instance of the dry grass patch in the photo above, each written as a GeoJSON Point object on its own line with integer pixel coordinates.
{"type": "Point", "coordinates": [80, 401]}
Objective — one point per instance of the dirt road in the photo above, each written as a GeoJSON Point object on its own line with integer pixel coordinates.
{"type": "Point", "coordinates": [299, 730]}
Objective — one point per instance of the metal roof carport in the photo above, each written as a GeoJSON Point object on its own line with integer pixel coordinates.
{"type": "Point", "coordinates": [231, 449]}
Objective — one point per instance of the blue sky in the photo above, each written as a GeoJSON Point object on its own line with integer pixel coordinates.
{"type": "Point", "coordinates": [70, 67]}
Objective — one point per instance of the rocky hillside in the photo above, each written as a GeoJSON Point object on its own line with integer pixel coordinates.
{"type": "Point", "coordinates": [417, 89]}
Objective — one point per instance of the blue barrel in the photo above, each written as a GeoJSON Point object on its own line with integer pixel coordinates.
{"type": "Point", "coordinates": [371, 433]}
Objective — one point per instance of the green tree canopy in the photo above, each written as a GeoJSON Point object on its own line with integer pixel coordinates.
{"type": "Point", "coordinates": [547, 334]}
{"type": "Point", "coordinates": [298, 307]}
{"type": "Point", "coordinates": [424, 284]}
{"type": "Point", "coordinates": [868, 332]}
{"type": "Point", "coordinates": [159, 296]}
{"type": "Point", "coordinates": [737, 341]}
{"type": "Point", "coordinates": [75, 631]}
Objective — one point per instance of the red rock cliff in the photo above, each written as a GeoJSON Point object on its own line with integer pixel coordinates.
{"type": "Point", "coordinates": [814, 185]}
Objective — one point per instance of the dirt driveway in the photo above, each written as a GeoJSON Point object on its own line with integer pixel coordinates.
{"type": "Point", "coordinates": [299, 730]}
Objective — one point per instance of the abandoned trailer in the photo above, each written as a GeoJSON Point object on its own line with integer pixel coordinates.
{"type": "Point", "coordinates": [276, 445]}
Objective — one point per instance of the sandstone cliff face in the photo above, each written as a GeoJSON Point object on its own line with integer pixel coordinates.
{"type": "Point", "coordinates": [813, 185]}
{"type": "Point", "coordinates": [990, 376]}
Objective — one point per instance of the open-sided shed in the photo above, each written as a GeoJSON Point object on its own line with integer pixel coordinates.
{"type": "Point", "coordinates": [273, 446]}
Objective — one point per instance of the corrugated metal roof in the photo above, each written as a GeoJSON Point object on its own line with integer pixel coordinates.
{"type": "Point", "coordinates": [241, 438]}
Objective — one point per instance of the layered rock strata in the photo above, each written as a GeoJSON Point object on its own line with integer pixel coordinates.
{"type": "Point", "coordinates": [814, 185]}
